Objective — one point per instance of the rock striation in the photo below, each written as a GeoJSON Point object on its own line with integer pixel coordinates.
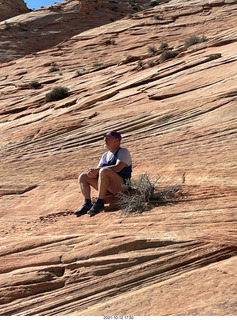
{"type": "Point", "coordinates": [177, 116]}
{"type": "Point", "coordinates": [11, 8]}
{"type": "Point", "coordinates": [49, 26]}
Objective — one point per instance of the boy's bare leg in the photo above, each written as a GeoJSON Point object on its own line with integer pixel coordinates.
{"type": "Point", "coordinates": [109, 180]}
{"type": "Point", "coordinates": [86, 183]}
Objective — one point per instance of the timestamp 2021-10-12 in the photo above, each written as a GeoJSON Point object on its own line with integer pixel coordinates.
{"type": "Point", "coordinates": [118, 318]}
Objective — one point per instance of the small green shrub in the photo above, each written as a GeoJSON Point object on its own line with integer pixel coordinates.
{"type": "Point", "coordinates": [168, 54]}
{"type": "Point", "coordinates": [78, 73]}
{"type": "Point", "coordinates": [17, 25]}
{"type": "Point", "coordinates": [135, 8]}
{"type": "Point", "coordinates": [164, 46]}
{"type": "Point", "coordinates": [194, 40]}
{"type": "Point", "coordinates": [140, 64]}
{"type": "Point", "coordinates": [110, 41]}
{"type": "Point", "coordinates": [54, 8]}
{"type": "Point", "coordinates": [53, 69]}
{"type": "Point", "coordinates": [57, 93]}
{"type": "Point", "coordinates": [97, 65]}
{"type": "Point", "coordinates": [152, 50]}
{"type": "Point", "coordinates": [128, 58]}
{"type": "Point", "coordinates": [214, 56]}
{"type": "Point", "coordinates": [153, 3]}
{"type": "Point", "coordinates": [34, 85]}
{"type": "Point", "coordinates": [151, 63]}
{"type": "Point", "coordinates": [6, 26]}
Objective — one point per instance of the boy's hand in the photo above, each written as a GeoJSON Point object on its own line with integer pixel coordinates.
{"type": "Point", "coordinates": [93, 172]}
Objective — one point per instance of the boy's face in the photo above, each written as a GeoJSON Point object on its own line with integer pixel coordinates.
{"type": "Point", "coordinates": [111, 143]}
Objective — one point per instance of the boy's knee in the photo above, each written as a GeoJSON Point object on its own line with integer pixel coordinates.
{"type": "Point", "coordinates": [82, 177]}
{"type": "Point", "coordinates": [104, 171]}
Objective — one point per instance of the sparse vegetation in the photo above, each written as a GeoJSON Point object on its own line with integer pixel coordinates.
{"type": "Point", "coordinates": [110, 41]}
{"type": "Point", "coordinates": [151, 63]}
{"type": "Point", "coordinates": [214, 56]}
{"type": "Point", "coordinates": [168, 54]}
{"type": "Point", "coordinates": [153, 3]}
{"type": "Point", "coordinates": [54, 8]}
{"type": "Point", "coordinates": [57, 93]}
{"type": "Point", "coordinates": [128, 58]}
{"type": "Point", "coordinates": [97, 65]}
{"type": "Point", "coordinates": [17, 25]}
{"type": "Point", "coordinates": [53, 68]}
{"type": "Point", "coordinates": [194, 40]}
{"type": "Point", "coordinates": [6, 26]}
{"type": "Point", "coordinates": [152, 50]}
{"type": "Point", "coordinates": [147, 194]}
{"type": "Point", "coordinates": [164, 46]}
{"type": "Point", "coordinates": [140, 64]}
{"type": "Point", "coordinates": [34, 85]}
{"type": "Point", "coordinates": [78, 73]}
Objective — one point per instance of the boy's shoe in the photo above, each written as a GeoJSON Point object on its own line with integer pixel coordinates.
{"type": "Point", "coordinates": [95, 209]}
{"type": "Point", "coordinates": [84, 209]}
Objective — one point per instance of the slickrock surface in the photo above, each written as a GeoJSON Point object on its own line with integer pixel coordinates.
{"type": "Point", "coordinates": [48, 26]}
{"type": "Point", "coordinates": [11, 8]}
{"type": "Point", "coordinates": [178, 119]}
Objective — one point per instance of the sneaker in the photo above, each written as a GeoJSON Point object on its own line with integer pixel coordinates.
{"type": "Point", "coordinates": [96, 208]}
{"type": "Point", "coordinates": [84, 209]}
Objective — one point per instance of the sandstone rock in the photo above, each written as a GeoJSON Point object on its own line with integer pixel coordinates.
{"type": "Point", "coordinates": [11, 8]}
{"type": "Point", "coordinates": [49, 26]}
{"type": "Point", "coordinates": [178, 119]}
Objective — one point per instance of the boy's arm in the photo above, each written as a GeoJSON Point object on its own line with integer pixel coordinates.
{"type": "Point", "coordinates": [93, 172]}
{"type": "Point", "coordinates": [118, 167]}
